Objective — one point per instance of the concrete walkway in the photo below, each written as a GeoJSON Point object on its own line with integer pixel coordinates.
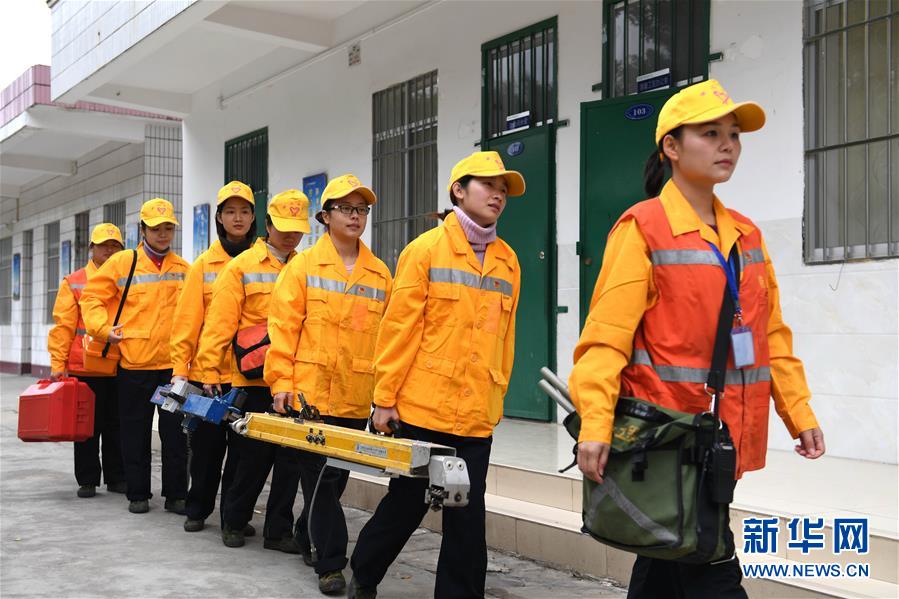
{"type": "Point", "coordinates": [53, 544]}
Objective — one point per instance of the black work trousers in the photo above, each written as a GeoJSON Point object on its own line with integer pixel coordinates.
{"type": "Point", "coordinates": [106, 425]}
{"type": "Point", "coordinates": [135, 388]}
{"type": "Point", "coordinates": [255, 459]}
{"type": "Point", "coordinates": [329, 533]}
{"type": "Point", "coordinates": [462, 565]}
{"type": "Point", "coordinates": [208, 449]}
{"type": "Point", "coordinates": [664, 579]}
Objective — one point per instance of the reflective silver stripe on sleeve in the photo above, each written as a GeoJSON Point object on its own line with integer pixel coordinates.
{"type": "Point", "coordinates": [76, 285]}
{"type": "Point", "coordinates": [325, 284]}
{"type": "Point", "coordinates": [469, 279]}
{"type": "Point", "coordinates": [152, 278]}
{"type": "Point", "coordinates": [671, 257]}
{"type": "Point", "coordinates": [80, 332]}
{"type": "Point", "coordinates": [259, 277]}
{"type": "Point", "coordinates": [686, 374]}
{"type": "Point", "coordinates": [209, 277]}
{"type": "Point", "coordinates": [369, 292]}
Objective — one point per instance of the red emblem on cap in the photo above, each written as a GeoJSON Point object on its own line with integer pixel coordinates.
{"type": "Point", "coordinates": [353, 181]}
{"type": "Point", "coordinates": [236, 189]}
{"type": "Point", "coordinates": [160, 209]}
{"type": "Point", "coordinates": [294, 210]}
{"type": "Point", "coordinates": [723, 96]}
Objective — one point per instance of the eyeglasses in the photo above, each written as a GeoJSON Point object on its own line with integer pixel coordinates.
{"type": "Point", "coordinates": [348, 210]}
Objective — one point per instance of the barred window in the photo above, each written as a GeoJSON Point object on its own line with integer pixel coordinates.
{"type": "Point", "coordinates": [851, 56]}
{"type": "Point", "coordinates": [51, 273]}
{"type": "Point", "coordinates": [82, 239]}
{"type": "Point", "coordinates": [520, 79]}
{"type": "Point", "coordinates": [651, 40]}
{"type": "Point", "coordinates": [246, 160]}
{"type": "Point", "coordinates": [114, 213]}
{"type": "Point", "coordinates": [6, 280]}
{"type": "Point", "coordinates": [404, 164]}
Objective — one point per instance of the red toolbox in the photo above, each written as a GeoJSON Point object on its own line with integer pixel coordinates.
{"type": "Point", "coordinates": [56, 411]}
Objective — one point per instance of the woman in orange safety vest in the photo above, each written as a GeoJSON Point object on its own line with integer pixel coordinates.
{"type": "Point", "coordinates": [323, 320]}
{"type": "Point", "coordinates": [66, 345]}
{"type": "Point", "coordinates": [654, 314]}
{"type": "Point", "coordinates": [442, 364]}
{"type": "Point", "coordinates": [235, 224]}
{"type": "Point", "coordinates": [143, 335]}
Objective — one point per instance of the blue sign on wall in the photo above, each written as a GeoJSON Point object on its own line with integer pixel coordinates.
{"type": "Point", "coordinates": [515, 148]}
{"type": "Point", "coordinates": [638, 112]}
{"type": "Point", "coordinates": [201, 229]}
{"type": "Point", "coordinates": [313, 186]}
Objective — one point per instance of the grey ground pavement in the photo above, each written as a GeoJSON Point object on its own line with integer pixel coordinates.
{"type": "Point", "coordinates": [53, 544]}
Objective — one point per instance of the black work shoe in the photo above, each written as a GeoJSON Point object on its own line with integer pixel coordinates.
{"type": "Point", "coordinates": [119, 487]}
{"type": "Point", "coordinates": [308, 559]}
{"type": "Point", "coordinates": [285, 544]}
{"type": "Point", "coordinates": [249, 531]}
{"type": "Point", "coordinates": [194, 525]}
{"type": "Point", "coordinates": [331, 583]}
{"type": "Point", "coordinates": [354, 591]}
{"type": "Point", "coordinates": [85, 491]}
{"type": "Point", "coordinates": [142, 506]}
{"type": "Point", "coordinates": [231, 537]}
{"type": "Point", "coordinates": [175, 506]}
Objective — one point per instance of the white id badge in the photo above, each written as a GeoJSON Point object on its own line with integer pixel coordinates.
{"type": "Point", "coordinates": [741, 341]}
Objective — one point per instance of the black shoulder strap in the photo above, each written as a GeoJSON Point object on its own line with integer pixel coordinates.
{"type": "Point", "coordinates": [718, 371]}
{"type": "Point", "coordinates": [118, 313]}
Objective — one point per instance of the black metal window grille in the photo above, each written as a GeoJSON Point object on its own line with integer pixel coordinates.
{"type": "Point", "coordinates": [114, 213]}
{"type": "Point", "coordinates": [82, 239]}
{"type": "Point", "coordinates": [520, 79]}
{"type": "Point", "coordinates": [642, 37]}
{"type": "Point", "coordinates": [6, 280]}
{"type": "Point", "coordinates": [246, 160]}
{"type": "Point", "coordinates": [404, 164]}
{"type": "Point", "coordinates": [851, 67]}
{"type": "Point", "coordinates": [51, 272]}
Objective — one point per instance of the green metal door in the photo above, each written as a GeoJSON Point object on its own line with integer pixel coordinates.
{"type": "Point", "coordinates": [527, 224]}
{"type": "Point", "coordinates": [616, 138]}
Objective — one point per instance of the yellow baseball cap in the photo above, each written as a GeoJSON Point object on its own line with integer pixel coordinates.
{"type": "Point", "coordinates": [236, 189]}
{"type": "Point", "coordinates": [341, 187]}
{"type": "Point", "coordinates": [106, 232]}
{"type": "Point", "coordinates": [289, 211]}
{"type": "Point", "coordinates": [157, 211]}
{"type": "Point", "coordinates": [706, 102]}
{"type": "Point", "coordinates": [487, 164]}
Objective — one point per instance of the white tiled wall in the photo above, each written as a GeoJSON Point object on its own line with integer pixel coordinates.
{"type": "Point", "coordinates": [113, 172]}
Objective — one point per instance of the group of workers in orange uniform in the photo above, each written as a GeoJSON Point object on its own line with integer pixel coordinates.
{"type": "Point", "coordinates": [431, 347]}
{"type": "Point", "coordinates": [342, 332]}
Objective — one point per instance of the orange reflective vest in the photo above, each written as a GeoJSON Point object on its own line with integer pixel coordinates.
{"type": "Point", "coordinates": [674, 341]}
{"type": "Point", "coordinates": [323, 323]}
{"type": "Point", "coordinates": [65, 342]}
{"type": "Point", "coordinates": [447, 340]}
